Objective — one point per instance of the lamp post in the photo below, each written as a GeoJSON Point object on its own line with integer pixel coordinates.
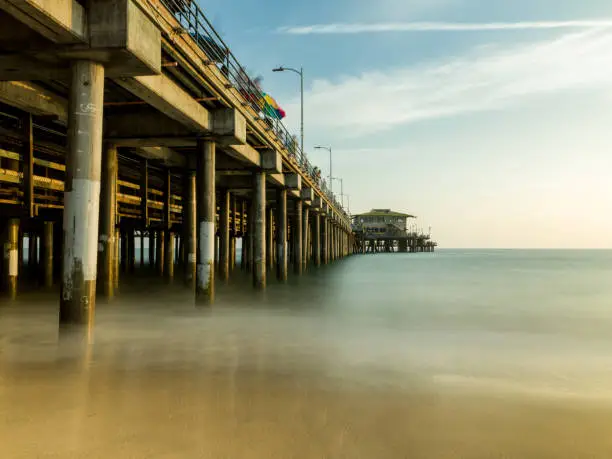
{"type": "Point", "coordinates": [330, 164]}
{"type": "Point", "coordinates": [300, 72]}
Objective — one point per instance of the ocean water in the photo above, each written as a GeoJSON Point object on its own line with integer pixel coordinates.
{"type": "Point", "coordinates": [457, 354]}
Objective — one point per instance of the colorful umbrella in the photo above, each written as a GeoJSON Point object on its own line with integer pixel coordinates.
{"type": "Point", "coordinates": [270, 107]}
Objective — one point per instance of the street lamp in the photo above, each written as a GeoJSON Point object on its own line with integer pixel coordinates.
{"type": "Point", "coordinates": [330, 164]}
{"type": "Point", "coordinates": [300, 72]}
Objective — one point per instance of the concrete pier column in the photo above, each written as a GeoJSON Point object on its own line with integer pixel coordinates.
{"type": "Point", "coordinates": [20, 251]}
{"type": "Point", "coordinates": [124, 252]}
{"type": "Point", "coordinates": [243, 252]}
{"type": "Point", "coordinates": [233, 231]}
{"type": "Point", "coordinates": [251, 236]}
{"type": "Point", "coordinates": [335, 242]}
{"type": "Point", "coordinates": [169, 257]}
{"type": "Point", "coordinates": [116, 270]}
{"type": "Point", "coordinates": [224, 235]}
{"type": "Point", "coordinates": [47, 254]}
{"type": "Point", "coordinates": [108, 221]}
{"type": "Point", "coordinates": [179, 251]}
{"type": "Point", "coordinates": [305, 239]}
{"type": "Point", "coordinates": [10, 271]}
{"type": "Point", "coordinates": [232, 253]}
{"type": "Point", "coordinates": [297, 238]}
{"type": "Point", "coordinates": [189, 227]}
{"type": "Point", "coordinates": [32, 254]}
{"type": "Point", "coordinates": [160, 240]}
{"type": "Point", "coordinates": [270, 239]}
{"type": "Point", "coordinates": [82, 193]}
{"type": "Point", "coordinates": [217, 251]}
{"type": "Point", "coordinates": [259, 230]}
{"type": "Point", "coordinates": [144, 209]}
{"type": "Point", "coordinates": [142, 249]}
{"type": "Point", "coordinates": [316, 243]}
{"type": "Point", "coordinates": [331, 241]}
{"type": "Point", "coordinates": [131, 250]}
{"type": "Point", "coordinates": [243, 231]}
{"type": "Point", "coordinates": [324, 240]}
{"type": "Point", "coordinates": [205, 181]}
{"type": "Point", "coordinates": [281, 234]}
{"type": "Point", "coordinates": [152, 249]}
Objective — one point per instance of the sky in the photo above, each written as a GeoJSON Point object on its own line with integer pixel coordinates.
{"type": "Point", "coordinates": [488, 119]}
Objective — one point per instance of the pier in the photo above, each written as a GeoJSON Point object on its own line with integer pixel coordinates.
{"type": "Point", "coordinates": [387, 231]}
{"type": "Point", "coordinates": [131, 120]}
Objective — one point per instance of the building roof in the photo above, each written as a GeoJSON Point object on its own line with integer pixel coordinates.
{"type": "Point", "coordinates": [383, 213]}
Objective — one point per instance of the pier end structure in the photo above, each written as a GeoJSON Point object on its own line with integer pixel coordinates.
{"type": "Point", "coordinates": [385, 230]}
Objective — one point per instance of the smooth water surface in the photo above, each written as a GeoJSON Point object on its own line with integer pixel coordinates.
{"type": "Point", "coordinates": [457, 354]}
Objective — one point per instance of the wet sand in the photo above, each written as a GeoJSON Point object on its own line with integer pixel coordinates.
{"type": "Point", "coordinates": [258, 379]}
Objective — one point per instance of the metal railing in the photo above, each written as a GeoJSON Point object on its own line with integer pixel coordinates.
{"type": "Point", "coordinates": [194, 22]}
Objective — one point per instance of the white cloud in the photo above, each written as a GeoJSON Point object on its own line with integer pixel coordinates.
{"type": "Point", "coordinates": [488, 78]}
{"type": "Point", "coordinates": [343, 28]}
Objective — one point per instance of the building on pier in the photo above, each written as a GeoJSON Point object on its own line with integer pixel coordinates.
{"type": "Point", "coordinates": [140, 123]}
{"type": "Point", "coordinates": [385, 230]}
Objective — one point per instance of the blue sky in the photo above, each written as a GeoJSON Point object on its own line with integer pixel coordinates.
{"type": "Point", "coordinates": [490, 120]}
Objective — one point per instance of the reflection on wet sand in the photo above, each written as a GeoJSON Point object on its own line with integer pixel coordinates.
{"type": "Point", "coordinates": [258, 379]}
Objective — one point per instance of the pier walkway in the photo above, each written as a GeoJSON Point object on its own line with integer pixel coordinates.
{"type": "Point", "coordinates": [124, 119]}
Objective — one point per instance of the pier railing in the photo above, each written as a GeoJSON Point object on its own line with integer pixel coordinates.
{"type": "Point", "coordinates": [194, 21]}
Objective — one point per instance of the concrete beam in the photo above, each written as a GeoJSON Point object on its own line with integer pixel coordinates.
{"type": "Point", "coordinates": [246, 154]}
{"type": "Point", "coordinates": [137, 142]}
{"type": "Point", "coordinates": [271, 161]}
{"type": "Point", "coordinates": [33, 99]}
{"type": "Point", "coordinates": [143, 124]}
{"type": "Point", "coordinates": [276, 179]}
{"type": "Point", "coordinates": [234, 182]}
{"type": "Point", "coordinates": [164, 155]}
{"type": "Point", "coordinates": [61, 21]}
{"type": "Point", "coordinates": [118, 34]}
{"type": "Point", "coordinates": [307, 193]}
{"type": "Point", "coordinates": [25, 68]}
{"type": "Point", "coordinates": [123, 30]}
{"type": "Point", "coordinates": [293, 182]}
{"type": "Point", "coordinates": [229, 126]}
{"type": "Point", "coordinates": [169, 98]}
